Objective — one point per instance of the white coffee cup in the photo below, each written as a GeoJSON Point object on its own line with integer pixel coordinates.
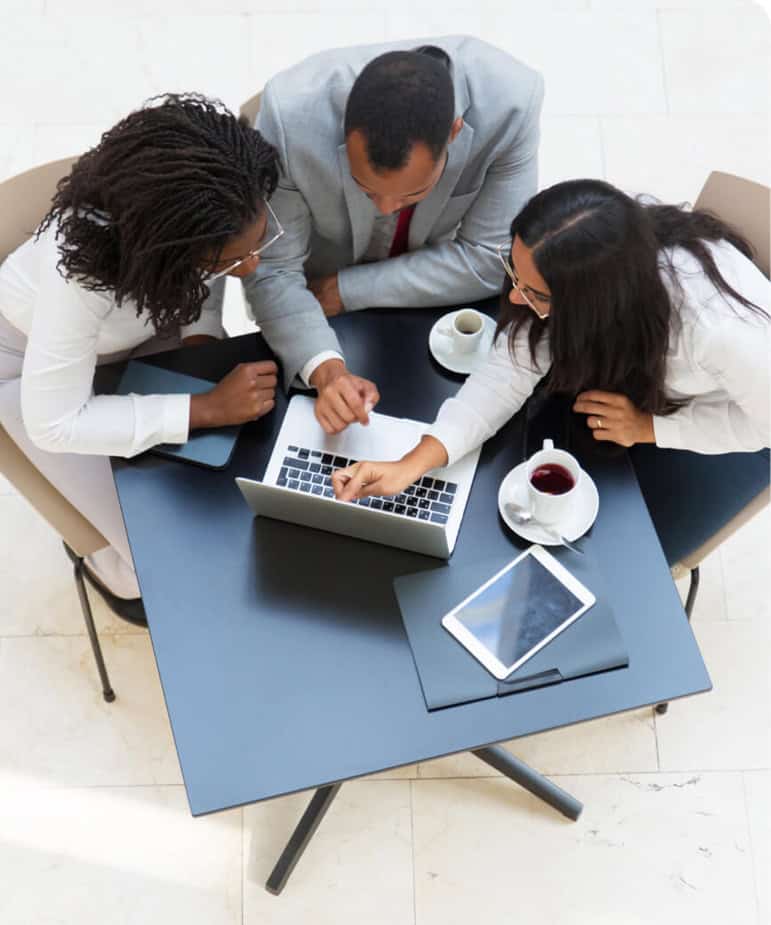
{"type": "Point", "coordinates": [466, 330]}
{"type": "Point", "coordinates": [548, 507]}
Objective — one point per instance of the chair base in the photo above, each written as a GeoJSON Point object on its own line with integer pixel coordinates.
{"type": "Point", "coordinates": [693, 587]}
{"type": "Point", "coordinates": [78, 566]}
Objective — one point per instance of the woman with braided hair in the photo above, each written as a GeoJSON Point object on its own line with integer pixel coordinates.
{"type": "Point", "coordinates": [172, 198]}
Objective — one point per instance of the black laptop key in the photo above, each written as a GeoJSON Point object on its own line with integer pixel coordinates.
{"type": "Point", "coordinates": [412, 501]}
{"type": "Point", "coordinates": [292, 449]}
{"type": "Point", "coordinates": [326, 470]}
{"type": "Point", "coordinates": [315, 467]}
{"type": "Point", "coordinates": [365, 502]}
{"type": "Point", "coordinates": [339, 462]}
{"type": "Point", "coordinates": [327, 458]}
{"type": "Point", "coordinates": [305, 486]}
{"type": "Point", "coordinates": [438, 484]}
{"type": "Point", "coordinates": [445, 498]}
{"type": "Point", "coordinates": [316, 454]}
{"type": "Point", "coordinates": [433, 495]}
{"type": "Point", "coordinates": [410, 490]}
{"type": "Point", "coordinates": [437, 508]}
{"type": "Point", "coordinates": [399, 509]}
{"type": "Point", "coordinates": [318, 479]}
{"type": "Point", "coordinates": [401, 499]}
{"type": "Point", "coordinates": [295, 463]}
{"type": "Point", "coordinates": [303, 454]}
{"type": "Point", "coordinates": [451, 488]}
{"type": "Point", "coordinates": [281, 482]}
{"type": "Point", "coordinates": [284, 473]}
{"type": "Point", "coordinates": [294, 473]}
{"type": "Point", "coordinates": [305, 476]}
{"type": "Point", "coordinates": [388, 506]}
{"type": "Point", "coordinates": [423, 515]}
{"type": "Point", "coordinates": [293, 483]}
{"type": "Point", "coordinates": [376, 503]}
{"type": "Point", "coordinates": [438, 519]}
{"type": "Point", "coordinates": [421, 492]}
{"type": "Point", "coordinates": [412, 512]}
{"type": "Point", "coordinates": [424, 503]}
{"type": "Point", "coordinates": [317, 490]}
{"type": "Point", "coordinates": [427, 482]}
{"type": "Point", "coordinates": [328, 493]}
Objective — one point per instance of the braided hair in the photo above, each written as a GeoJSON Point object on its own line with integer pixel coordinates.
{"type": "Point", "coordinates": [145, 212]}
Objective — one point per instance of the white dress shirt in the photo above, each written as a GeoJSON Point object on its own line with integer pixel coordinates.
{"type": "Point", "coordinates": [68, 328]}
{"type": "Point", "coordinates": [718, 358]}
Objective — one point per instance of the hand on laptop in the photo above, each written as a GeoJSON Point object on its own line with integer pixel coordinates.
{"type": "Point", "coordinates": [388, 478]}
{"type": "Point", "coordinates": [246, 393]}
{"type": "Point", "coordinates": [342, 397]}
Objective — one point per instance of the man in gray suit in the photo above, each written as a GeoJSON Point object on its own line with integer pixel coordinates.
{"type": "Point", "coordinates": [402, 169]}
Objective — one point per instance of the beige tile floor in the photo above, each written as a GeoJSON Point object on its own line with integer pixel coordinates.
{"type": "Point", "coordinates": [94, 825]}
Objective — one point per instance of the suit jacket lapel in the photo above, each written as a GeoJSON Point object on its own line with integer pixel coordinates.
{"type": "Point", "coordinates": [360, 210]}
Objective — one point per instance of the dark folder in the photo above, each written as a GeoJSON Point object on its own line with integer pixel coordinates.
{"type": "Point", "coordinates": [450, 675]}
{"type": "Point", "coordinates": [211, 448]}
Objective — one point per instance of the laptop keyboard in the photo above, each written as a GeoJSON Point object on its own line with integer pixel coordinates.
{"type": "Point", "coordinates": [310, 471]}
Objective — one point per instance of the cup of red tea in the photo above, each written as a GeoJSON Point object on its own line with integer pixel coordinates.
{"type": "Point", "coordinates": [552, 480]}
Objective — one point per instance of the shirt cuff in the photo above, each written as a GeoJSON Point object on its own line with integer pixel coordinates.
{"type": "Point", "coordinates": [451, 439]}
{"type": "Point", "coordinates": [176, 418]}
{"type": "Point", "coordinates": [666, 431]}
{"type": "Point", "coordinates": [313, 364]}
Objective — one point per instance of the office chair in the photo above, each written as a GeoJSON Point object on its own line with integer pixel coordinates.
{"type": "Point", "coordinates": [698, 501]}
{"type": "Point", "coordinates": [24, 200]}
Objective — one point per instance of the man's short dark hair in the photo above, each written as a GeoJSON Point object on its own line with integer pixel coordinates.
{"type": "Point", "coordinates": [400, 99]}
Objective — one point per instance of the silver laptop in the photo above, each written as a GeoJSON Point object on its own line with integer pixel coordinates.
{"type": "Point", "coordinates": [297, 485]}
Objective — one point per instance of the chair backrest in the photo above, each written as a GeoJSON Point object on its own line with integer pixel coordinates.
{"type": "Point", "coordinates": [24, 200]}
{"type": "Point", "coordinates": [746, 206]}
{"type": "Point", "coordinates": [251, 107]}
{"type": "Point", "coordinates": [743, 204]}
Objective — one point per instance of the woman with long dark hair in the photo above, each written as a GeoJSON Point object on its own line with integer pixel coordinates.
{"type": "Point", "coordinates": [173, 197]}
{"type": "Point", "coordinates": [652, 317]}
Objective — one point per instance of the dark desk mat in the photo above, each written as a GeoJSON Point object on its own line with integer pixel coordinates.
{"type": "Point", "coordinates": [450, 675]}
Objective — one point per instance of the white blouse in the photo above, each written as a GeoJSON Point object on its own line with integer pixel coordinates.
{"type": "Point", "coordinates": [718, 357]}
{"type": "Point", "coordinates": [68, 327]}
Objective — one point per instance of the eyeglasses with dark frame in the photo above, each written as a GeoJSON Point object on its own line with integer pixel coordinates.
{"type": "Point", "coordinates": [255, 253]}
{"type": "Point", "coordinates": [503, 256]}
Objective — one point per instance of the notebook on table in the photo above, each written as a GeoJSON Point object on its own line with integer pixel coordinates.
{"type": "Point", "coordinates": [212, 448]}
{"type": "Point", "coordinates": [450, 675]}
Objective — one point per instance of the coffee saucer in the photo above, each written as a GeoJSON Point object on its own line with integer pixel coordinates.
{"type": "Point", "coordinates": [582, 513]}
{"type": "Point", "coordinates": [443, 348]}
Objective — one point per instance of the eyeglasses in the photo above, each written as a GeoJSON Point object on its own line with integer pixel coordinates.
{"type": "Point", "coordinates": [274, 225]}
{"type": "Point", "coordinates": [503, 256]}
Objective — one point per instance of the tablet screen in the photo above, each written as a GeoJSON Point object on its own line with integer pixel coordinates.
{"type": "Point", "coordinates": [519, 610]}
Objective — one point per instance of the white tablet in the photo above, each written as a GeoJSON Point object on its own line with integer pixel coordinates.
{"type": "Point", "coordinates": [518, 611]}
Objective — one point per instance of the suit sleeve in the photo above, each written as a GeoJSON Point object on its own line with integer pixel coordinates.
{"type": "Point", "coordinates": [290, 316]}
{"type": "Point", "coordinates": [466, 268]}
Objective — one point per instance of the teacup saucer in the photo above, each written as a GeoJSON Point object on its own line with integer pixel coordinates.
{"type": "Point", "coordinates": [582, 513]}
{"type": "Point", "coordinates": [443, 348]}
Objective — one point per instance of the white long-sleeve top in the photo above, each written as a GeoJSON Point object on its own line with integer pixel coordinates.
{"type": "Point", "coordinates": [718, 359]}
{"type": "Point", "coordinates": [68, 327]}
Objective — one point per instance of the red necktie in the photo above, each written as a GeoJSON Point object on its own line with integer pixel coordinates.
{"type": "Point", "coordinates": [402, 233]}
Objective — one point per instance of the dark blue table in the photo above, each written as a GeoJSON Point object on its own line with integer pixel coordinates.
{"type": "Point", "coordinates": [281, 650]}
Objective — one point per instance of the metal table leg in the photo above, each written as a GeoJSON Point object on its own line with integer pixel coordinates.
{"type": "Point", "coordinates": [494, 755]}
{"type": "Point", "coordinates": [503, 761]}
{"type": "Point", "coordinates": [314, 813]}
{"type": "Point", "coordinates": [107, 691]}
